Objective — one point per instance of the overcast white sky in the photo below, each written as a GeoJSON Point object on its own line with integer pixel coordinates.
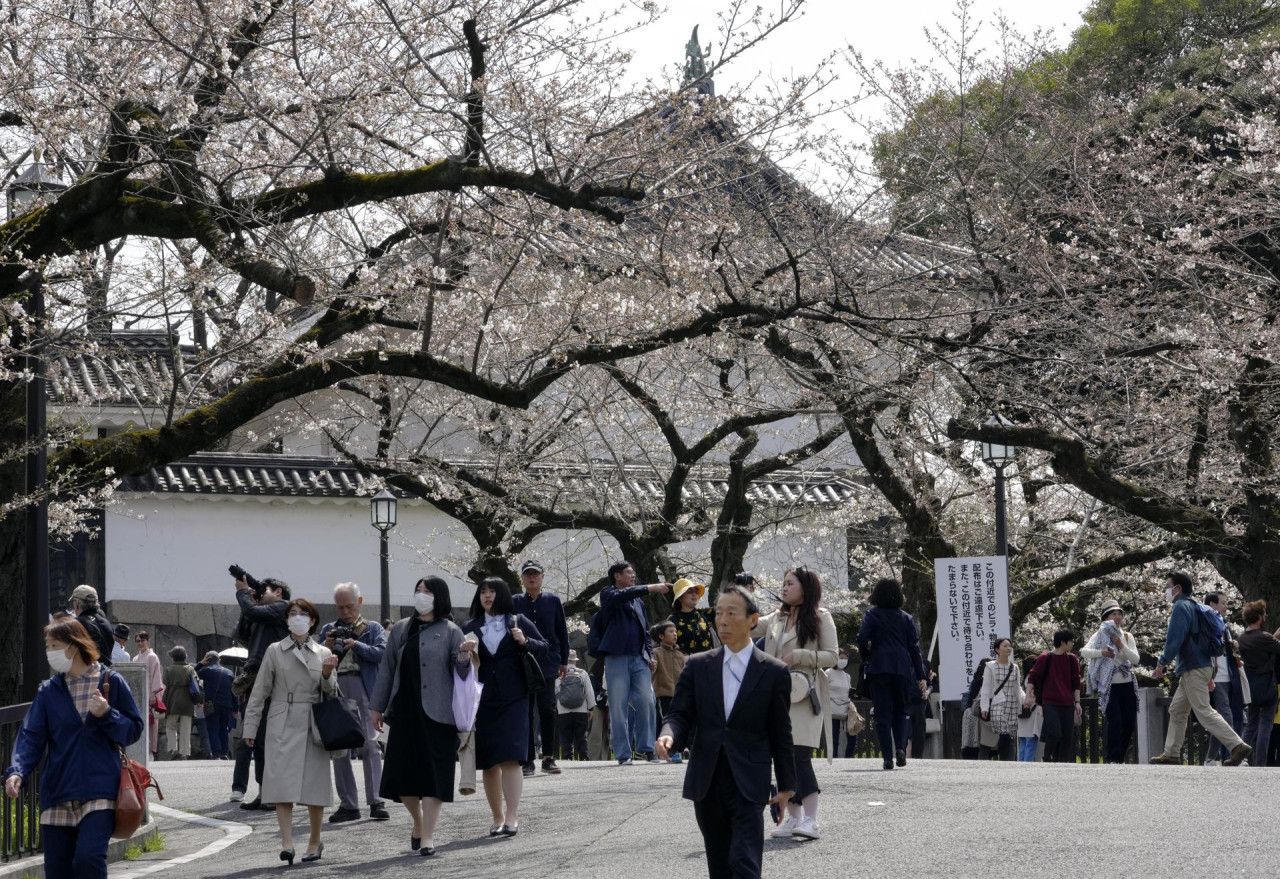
{"type": "Point", "coordinates": [888, 30]}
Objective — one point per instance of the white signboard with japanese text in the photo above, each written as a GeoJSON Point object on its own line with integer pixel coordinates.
{"type": "Point", "coordinates": [973, 610]}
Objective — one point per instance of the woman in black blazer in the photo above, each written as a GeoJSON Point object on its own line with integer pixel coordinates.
{"type": "Point", "coordinates": [502, 724]}
{"type": "Point", "coordinates": [890, 648]}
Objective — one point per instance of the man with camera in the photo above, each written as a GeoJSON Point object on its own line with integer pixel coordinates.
{"type": "Point", "coordinates": [262, 623]}
{"type": "Point", "coordinates": [359, 644]}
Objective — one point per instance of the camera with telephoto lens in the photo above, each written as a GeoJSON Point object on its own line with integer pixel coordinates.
{"type": "Point", "coordinates": [255, 585]}
{"type": "Point", "coordinates": [744, 580]}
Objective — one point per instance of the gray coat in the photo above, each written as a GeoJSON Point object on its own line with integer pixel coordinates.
{"type": "Point", "coordinates": [298, 768]}
{"type": "Point", "coordinates": [438, 644]}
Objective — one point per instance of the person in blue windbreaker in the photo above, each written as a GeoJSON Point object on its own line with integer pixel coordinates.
{"type": "Point", "coordinates": [80, 719]}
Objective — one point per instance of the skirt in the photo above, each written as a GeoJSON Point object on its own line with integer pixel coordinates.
{"type": "Point", "coordinates": [421, 755]}
{"type": "Point", "coordinates": [502, 733]}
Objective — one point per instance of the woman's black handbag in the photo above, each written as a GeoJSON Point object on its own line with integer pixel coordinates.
{"type": "Point", "coordinates": [533, 678]}
{"type": "Point", "coordinates": [338, 723]}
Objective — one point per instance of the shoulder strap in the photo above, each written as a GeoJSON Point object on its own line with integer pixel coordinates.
{"type": "Point", "coordinates": [1008, 674]}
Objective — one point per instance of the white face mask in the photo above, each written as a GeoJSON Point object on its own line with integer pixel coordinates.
{"type": "Point", "coordinates": [423, 602]}
{"type": "Point", "coordinates": [841, 662]}
{"type": "Point", "coordinates": [1168, 594]}
{"type": "Point", "coordinates": [59, 661]}
{"type": "Point", "coordinates": [300, 624]}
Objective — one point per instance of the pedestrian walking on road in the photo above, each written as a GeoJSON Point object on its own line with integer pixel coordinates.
{"type": "Point", "coordinates": [1189, 641]}
{"type": "Point", "coordinates": [1055, 684]}
{"type": "Point", "coordinates": [84, 604]}
{"type": "Point", "coordinates": [1226, 692]}
{"type": "Point", "coordinates": [1001, 698]}
{"type": "Point", "coordinates": [839, 690]}
{"type": "Point", "coordinates": [1259, 649]}
{"type": "Point", "coordinates": [359, 645]}
{"type": "Point", "coordinates": [802, 635]}
{"type": "Point", "coordinates": [1111, 653]}
{"type": "Point", "coordinates": [502, 723]}
{"type": "Point", "coordinates": [294, 674]}
{"type": "Point", "coordinates": [623, 637]}
{"type": "Point", "coordinates": [975, 733]}
{"type": "Point", "coordinates": [178, 697]}
{"type": "Point", "coordinates": [890, 647]}
{"type": "Point", "coordinates": [736, 698]}
{"type": "Point", "coordinates": [155, 688]}
{"type": "Point", "coordinates": [76, 725]}
{"type": "Point", "coordinates": [414, 693]}
{"type": "Point", "coordinates": [546, 612]}
{"type": "Point", "coordinates": [1029, 721]}
{"type": "Point", "coordinates": [219, 704]}
{"type": "Point", "coordinates": [670, 663]}
{"type": "Point", "coordinates": [575, 697]}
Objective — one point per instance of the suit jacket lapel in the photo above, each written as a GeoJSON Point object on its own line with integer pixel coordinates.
{"type": "Point", "coordinates": [715, 686]}
{"type": "Point", "coordinates": [309, 658]}
{"type": "Point", "coordinates": [755, 668]}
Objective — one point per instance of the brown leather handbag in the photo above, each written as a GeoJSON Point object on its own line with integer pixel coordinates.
{"type": "Point", "coordinates": [131, 801]}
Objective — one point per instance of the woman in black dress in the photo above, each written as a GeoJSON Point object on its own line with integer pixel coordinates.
{"type": "Point", "coordinates": [502, 724]}
{"type": "Point", "coordinates": [693, 624]}
{"type": "Point", "coordinates": [415, 693]}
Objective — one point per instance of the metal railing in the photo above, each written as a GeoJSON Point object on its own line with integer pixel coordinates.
{"type": "Point", "coordinates": [20, 818]}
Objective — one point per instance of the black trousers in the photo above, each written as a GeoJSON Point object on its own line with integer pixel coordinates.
{"type": "Point", "coordinates": [1006, 749]}
{"type": "Point", "coordinates": [732, 828]}
{"type": "Point", "coordinates": [542, 711]}
{"type": "Point", "coordinates": [244, 754]}
{"type": "Point", "coordinates": [916, 711]}
{"type": "Point", "coordinates": [1059, 733]}
{"type": "Point", "coordinates": [573, 735]}
{"type": "Point", "coordinates": [1122, 721]}
{"type": "Point", "coordinates": [889, 698]}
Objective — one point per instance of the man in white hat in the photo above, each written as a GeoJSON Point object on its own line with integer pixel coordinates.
{"type": "Point", "coordinates": [1119, 695]}
{"type": "Point", "coordinates": [84, 605]}
{"type": "Point", "coordinates": [575, 697]}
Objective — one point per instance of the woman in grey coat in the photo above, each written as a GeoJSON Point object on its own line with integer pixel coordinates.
{"type": "Point", "coordinates": [294, 674]}
{"type": "Point", "coordinates": [414, 693]}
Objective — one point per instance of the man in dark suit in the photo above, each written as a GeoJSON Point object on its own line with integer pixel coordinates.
{"type": "Point", "coordinates": [738, 699]}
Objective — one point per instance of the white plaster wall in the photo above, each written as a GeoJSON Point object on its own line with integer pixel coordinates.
{"type": "Point", "coordinates": [176, 549]}
{"type": "Point", "coordinates": [166, 548]}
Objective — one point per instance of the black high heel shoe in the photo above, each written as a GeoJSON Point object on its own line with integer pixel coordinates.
{"type": "Point", "coordinates": [315, 855]}
{"type": "Point", "coordinates": [427, 851]}
{"type": "Point", "coordinates": [510, 829]}
{"type": "Point", "coordinates": [415, 843]}
{"type": "Point", "coordinates": [287, 855]}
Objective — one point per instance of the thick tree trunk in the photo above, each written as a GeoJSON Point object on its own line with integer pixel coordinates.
{"type": "Point", "coordinates": [13, 415]}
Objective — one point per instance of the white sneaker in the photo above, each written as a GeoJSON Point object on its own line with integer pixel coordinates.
{"type": "Point", "coordinates": [236, 796]}
{"type": "Point", "coordinates": [1213, 763]}
{"type": "Point", "coordinates": [807, 828]}
{"type": "Point", "coordinates": [784, 830]}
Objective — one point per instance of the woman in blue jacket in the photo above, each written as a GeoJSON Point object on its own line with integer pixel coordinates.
{"type": "Point", "coordinates": [502, 723]}
{"type": "Point", "coordinates": [890, 648]}
{"type": "Point", "coordinates": [80, 718]}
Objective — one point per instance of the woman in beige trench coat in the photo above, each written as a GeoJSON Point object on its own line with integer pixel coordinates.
{"type": "Point", "coordinates": [803, 636]}
{"type": "Point", "coordinates": [294, 673]}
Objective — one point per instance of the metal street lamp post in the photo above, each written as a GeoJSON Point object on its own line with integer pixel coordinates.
{"type": "Point", "coordinates": [382, 509]}
{"type": "Point", "coordinates": [37, 182]}
{"type": "Point", "coordinates": [999, 456]}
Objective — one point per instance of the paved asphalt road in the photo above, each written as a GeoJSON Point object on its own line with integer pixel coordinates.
{"type": "Point", "coordinates": [932, 818]}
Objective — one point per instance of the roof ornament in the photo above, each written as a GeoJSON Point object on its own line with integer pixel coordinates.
{"type": "Point", "coordinates": [695, 64]}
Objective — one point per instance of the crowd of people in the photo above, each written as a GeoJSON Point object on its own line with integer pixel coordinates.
{"type": "Point", "coordinates": [712, 687]}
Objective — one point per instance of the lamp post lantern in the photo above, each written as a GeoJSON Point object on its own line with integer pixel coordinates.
{"type": "Point", "coordinates": [35, 183]}
{"type": "Point", "coordinates": [999, 456]}
{"type": "Point", "coordinates": [382, 509]}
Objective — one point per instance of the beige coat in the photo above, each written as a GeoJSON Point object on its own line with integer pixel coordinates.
{"type": "Point", "coordinates": [807, 729]}
{"type": "Point", "coordinates": [298, 770]}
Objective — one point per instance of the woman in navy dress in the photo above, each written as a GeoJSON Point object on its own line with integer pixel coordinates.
{"type": "Point", "coordinates": [502, 724]}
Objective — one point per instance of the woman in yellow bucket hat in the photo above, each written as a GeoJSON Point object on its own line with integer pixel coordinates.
{"type": "Point", "coordinates": [693, 624]}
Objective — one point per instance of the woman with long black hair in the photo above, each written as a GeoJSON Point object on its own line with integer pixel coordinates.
{"type": "Point", "coordinates": [803, 635]}
{"type": "Point", "coordinates": [890, 646]}
{"type": "Point", "coordinates": [502, 723]}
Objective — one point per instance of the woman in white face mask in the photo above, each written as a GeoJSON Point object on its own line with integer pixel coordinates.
{"type": "Point", "coordinates": [295, 673]}
{"type": "Point", "coordinates": [77, 722]}
{"type": "Point", "coordinates": [839, 687]}
{"type": "Point", "coordinates": [415, 694]}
